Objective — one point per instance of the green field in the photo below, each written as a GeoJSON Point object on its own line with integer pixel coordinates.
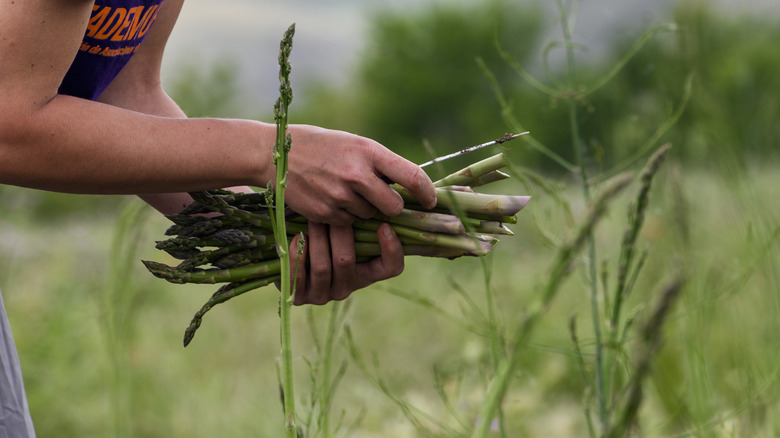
{"type": "Point", "coordinates": [100, 340]}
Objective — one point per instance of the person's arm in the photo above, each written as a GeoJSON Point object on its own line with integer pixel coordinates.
{"type": "Point", "coordinates": [138, 88]}
{"type": "Point", "coordinates": [333, 272]}
{"type": "Point", "coordinates": [61, 143]}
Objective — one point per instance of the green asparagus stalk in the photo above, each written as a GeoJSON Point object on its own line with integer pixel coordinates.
{"type": "Point", "coordinates": [481, 243]}
{"type": "Point", "coordinates": [281, 148]}
{"type": "Point", "coordinates": [371, 249]}
{"type": "Point", "coordinates": [476, 174]}
{"type": "Point", "coordinates": [492, 227]}
{"type": "Point", "coordinates": [211, 276]}
{"type": "Point", "coordinates": [225, 293]}
{"type": "Point", "coordinates": [425, 220]}
{"type": "Point", "coordinates": [485, 205]}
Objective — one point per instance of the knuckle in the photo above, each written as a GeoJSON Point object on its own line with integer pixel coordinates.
{"type": "Point", "coordinates": [353, 174]}
{"type": "Point", "coordinates": [319, 270]}
{"type": "Point", "coordinates": [343, 260]}
{"type": "Point", "coordinates": [318, 212]}
{"type": "Point", "coordinates": [393, 206]}
{"type": "Point", "coordinates": [417, 179]}
{"type": "Point", "coordinates": [368, 212]}
{"type": "Point", "coordinates": [366, 145]}
{"type": "Point", "coordinates": [341, 196]}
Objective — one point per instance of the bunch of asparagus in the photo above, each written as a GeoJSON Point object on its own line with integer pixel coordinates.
{"type": "Point", "coordinates": [227, 237]}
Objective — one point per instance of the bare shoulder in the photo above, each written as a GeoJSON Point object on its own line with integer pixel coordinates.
{"type": "Point", "coordinates": [38, 41]}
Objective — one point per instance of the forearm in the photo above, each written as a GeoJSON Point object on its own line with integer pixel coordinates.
{"type": "Point", "coordinates": [154, 101]}
{"type": "Point", "coordinates": [77, 146]}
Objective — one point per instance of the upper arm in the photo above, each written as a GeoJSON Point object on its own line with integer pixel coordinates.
{"type": "Point", "coordinates": [142, 72]}
{"type": "Point", "coordinates": [38, 41]}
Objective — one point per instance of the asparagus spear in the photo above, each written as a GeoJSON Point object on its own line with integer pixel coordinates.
{"type": "Point", "coordinates": [479, 173]}
{"type": "Point", "coordinates": [225, 293]}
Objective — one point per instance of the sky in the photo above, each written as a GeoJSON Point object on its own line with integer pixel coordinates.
{"type": "Point", "coordinates": [330, 34]}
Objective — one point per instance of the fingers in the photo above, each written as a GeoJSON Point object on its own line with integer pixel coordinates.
{"type": "Point", "coordinates": [391, 261]}
{"type": "Point", "coordinates": [335, 177]}
{"type": "Point", "coordinates": [358, 206]}
{"type": "Point", "coordinates": [407, 174]}
{"type": "Point", "coordinates": [345, 275]}
{"type": "Point", "coordinates": [381, 195]}
{"type": "Point", "coordinates": [333, 272]}
{"type": "Point", "coordinates": [324, 213]}
{"type": "Point", "coordinates": [348, 275]}
{"type": "Point", "coordinates": [345, 203]}
{"type": "Point", "coordinates": [315, 288]}
{"type": "Point", "coordinates": [298, 269]}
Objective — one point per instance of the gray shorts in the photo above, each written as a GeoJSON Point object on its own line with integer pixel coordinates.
{"type": "Point", "coordinates": [15, 421]}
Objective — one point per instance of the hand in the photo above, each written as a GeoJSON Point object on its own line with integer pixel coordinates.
{"type": "Point", "coordinates": [335, 177]}
{"type": "Point", "coordinates": [332, 273]}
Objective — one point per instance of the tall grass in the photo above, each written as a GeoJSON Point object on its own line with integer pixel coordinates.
{"type": "Point", "coordinates": [715, 373]}
{"type": "Point", "coordinates": [119, 302]}
{"type": "Point", "coordinates": [608, 412]}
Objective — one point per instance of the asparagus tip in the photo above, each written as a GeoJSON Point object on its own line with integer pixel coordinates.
{"type": "Point", "coordinates": [189, 333]}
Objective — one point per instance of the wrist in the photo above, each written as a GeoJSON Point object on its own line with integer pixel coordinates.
{"type": "Point", "coordinates": [259, 147]}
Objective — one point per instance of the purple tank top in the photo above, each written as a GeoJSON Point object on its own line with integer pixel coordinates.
{"type": "Point", "coordinates": [115, 30]}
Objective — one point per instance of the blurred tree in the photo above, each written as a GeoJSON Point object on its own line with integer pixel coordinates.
{"type": "Point", "coordinates": [210, 91]}
{"type": "Point", "coordinates": [418, 78]}
{"type": "Point", "coordinates": [732, 114]}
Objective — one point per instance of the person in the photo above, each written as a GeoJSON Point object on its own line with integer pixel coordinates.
{"type": "Point", "coordinates": [83, 111]}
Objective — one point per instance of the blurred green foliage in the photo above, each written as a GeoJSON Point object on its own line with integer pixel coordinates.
{"type": "Point", "coordinates": [45, 207]}
{"type": "Point", "coordinates": [731, 116]}
{"type": "Point", "coordinates": [208, 91]}
{"type": "Point", "coordinates": [418, 80]}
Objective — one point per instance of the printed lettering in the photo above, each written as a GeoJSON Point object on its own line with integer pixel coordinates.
{"type": "Point", "coordinates": [145, 24]}
{"type": "Point", "coordinates": [96, 21]}
{"type": "Point", "coordinates": [117, 18]}
{"type": "Point", "coordinates": [118, 52]}
{"type": "Point", "coordinates": [131, 19]}
{"type": "Point", "coordinates": [118, 24]}
{"type": "Point", "coordinates": [135, 26]}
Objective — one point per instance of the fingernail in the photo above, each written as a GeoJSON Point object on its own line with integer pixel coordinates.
{"type": "Point", "coordinates": [388, 232]}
